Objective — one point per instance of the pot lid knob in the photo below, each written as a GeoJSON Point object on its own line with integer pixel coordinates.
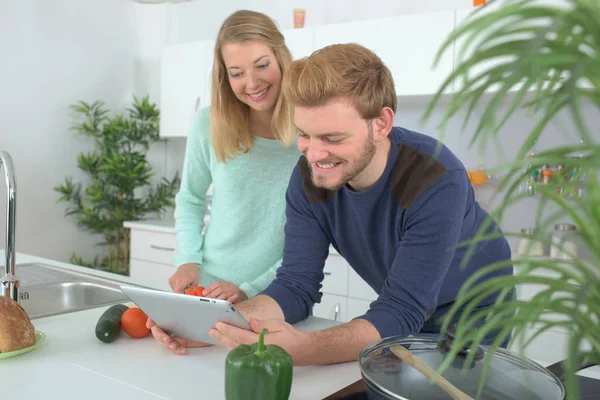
{"type": "Point", "coordinates": [447, 343]}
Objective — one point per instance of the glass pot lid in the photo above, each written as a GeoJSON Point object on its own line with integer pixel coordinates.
{"type": "Point", "coordinates": [509, 376]}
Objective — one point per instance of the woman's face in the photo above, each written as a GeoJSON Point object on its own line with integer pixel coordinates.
{"type": "Point", "coordinates": [253, 73]}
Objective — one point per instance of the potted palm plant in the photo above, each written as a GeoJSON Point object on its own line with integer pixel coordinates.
{"type": "Point", "coordinates": [120, 186]}
{"type": "Point", "coordinates": [543, 56]}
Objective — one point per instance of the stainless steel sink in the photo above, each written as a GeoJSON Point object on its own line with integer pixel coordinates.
{"type": "Point", "coordinates": [47, 290]}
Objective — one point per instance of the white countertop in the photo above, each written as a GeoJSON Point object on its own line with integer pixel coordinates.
{"type": "Point", "coordinates": [156, 225]}
{"type": "Point", "coordinates": [74, 364]}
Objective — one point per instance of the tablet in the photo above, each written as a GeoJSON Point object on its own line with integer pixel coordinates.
{"type": "Point", "coordinates": [183, 315]}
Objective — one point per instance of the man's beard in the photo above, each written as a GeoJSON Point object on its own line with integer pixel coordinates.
{"type": "Point", "coordinates": [356, 166]}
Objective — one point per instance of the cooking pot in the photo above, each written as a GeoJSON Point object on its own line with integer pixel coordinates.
{"type": "Point", "coordinates": [389, 372]}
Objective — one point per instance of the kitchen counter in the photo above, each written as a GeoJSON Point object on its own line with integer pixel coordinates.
{"type": "Point", "coordinates": [158, 225]}
{"type": "Point", "coordinates": [72, 363]}
{"type": "Point", "coordinates": [168, 226]}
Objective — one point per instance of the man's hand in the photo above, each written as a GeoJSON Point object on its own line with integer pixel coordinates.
{"type": "Point", "coordinates": [177, 346]}
{"type": "Point", "coordinates": [297, 343]}
{"type": "Point", "coordinates": [225, 291]}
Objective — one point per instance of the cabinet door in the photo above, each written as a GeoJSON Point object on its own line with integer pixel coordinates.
{"type": "Point", "coordinates": [407, 44]}
{"type": "Point", "coordinates": [331, 307]}
{"type": "Point", "coordinates": [151, 274]}
{"type": "Point", "coordinates": [336, 275]}
{"type": "Point", "coordinates": [182, 86]}
{"type": "Point", "coordinates": [157, 247]}
{"type": "Point", "coordinates": [358, 288]}
{"type": "Point", "coordinates": [356, 308]}
{"type": "Point", "coordinates": [300, 42]}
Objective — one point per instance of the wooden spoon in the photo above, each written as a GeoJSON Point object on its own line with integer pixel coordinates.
{"type": "Point", "coordinates": [415, 362]}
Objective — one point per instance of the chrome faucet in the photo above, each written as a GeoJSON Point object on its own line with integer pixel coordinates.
{"type": "Point", "coordinates": [9, 283]}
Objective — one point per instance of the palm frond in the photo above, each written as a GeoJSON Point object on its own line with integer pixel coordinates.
{"type": "Point", "coordinates": [545, 59]}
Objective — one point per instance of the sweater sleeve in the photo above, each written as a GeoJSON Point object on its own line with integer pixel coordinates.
{"type": "Point", "coordinates": [422, 258]}
{"type": "Point", "coordinates": [190, 201]}
{"type": "Point", "coordinates": [297, 285]}
{"type": "Point", "coordinates": [253, 288]}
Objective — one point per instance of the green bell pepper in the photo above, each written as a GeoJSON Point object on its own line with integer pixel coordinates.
{"type": "Point", "coordinates": [258, 372]}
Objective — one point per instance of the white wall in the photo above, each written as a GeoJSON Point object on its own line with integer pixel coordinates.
{"type": "Point", "coordinates": [509, 140]}
{"type": "Point", "coordinates": [55, 53]}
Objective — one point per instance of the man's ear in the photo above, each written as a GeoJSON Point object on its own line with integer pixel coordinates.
{"type": "Point", "coordinates": [382, 125]}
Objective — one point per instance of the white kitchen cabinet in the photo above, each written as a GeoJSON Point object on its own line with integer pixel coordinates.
{"type": "Point", "coordinates": [301, 42]}
{"type": "Point", "coordinates": [336, 275]}
{"type": "Point", "coordinates": [153, 246]}
{"type": "Point", "coordinates": [158, 247]}
{"type": "Point", "coordinates": [185, 85]}
{"type": "Point", "coordinates": [151, 274]}
{"type": "Point", "coordinates": [331, 307]}
{"type": "Point", "coordinates": [407, 44]}
{"type": "Point", "coordinates": [358, 288]}
{"type": "Point", "coordinates": [356, 307]}
{"type": "Point", "coordinates": [186, 68]}
{"type": "Point", "coordinates": [186, 78]}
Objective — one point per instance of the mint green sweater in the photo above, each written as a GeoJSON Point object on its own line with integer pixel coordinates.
{"type": "Point", "coordinates": [243, 242]}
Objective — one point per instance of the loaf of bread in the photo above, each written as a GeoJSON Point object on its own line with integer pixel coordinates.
{"type": "Point", "coordinates": [16, 329]}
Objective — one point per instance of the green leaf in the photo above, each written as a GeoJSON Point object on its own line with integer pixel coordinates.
{"type": "Point", "coordinates": [532, 56]}
{"type": "Point", "coordinates": [119, 184]}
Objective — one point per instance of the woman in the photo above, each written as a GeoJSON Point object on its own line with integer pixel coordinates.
{"type": "Point", "coordinates": [244, 144]}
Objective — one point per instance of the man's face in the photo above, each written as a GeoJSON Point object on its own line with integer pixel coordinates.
{"type": "Point", "coordinates": [336, 141]}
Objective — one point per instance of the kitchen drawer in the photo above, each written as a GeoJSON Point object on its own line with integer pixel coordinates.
{"type": "Point", "coordinates": [358, 288]}
{"type": "Point", "coordinates": [336, 275]}
{"type": "Point", "coordinates": [157, 247]}
{"type": "Point", "coordinates": [331, 307]}
{"type": "Point", "coordinates": [151, 274]}
{"type": "Point", "coordinates": [357, 307]}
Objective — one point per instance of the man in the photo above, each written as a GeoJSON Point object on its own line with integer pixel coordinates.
{"type": "Point", "coordinates": [393, 202]}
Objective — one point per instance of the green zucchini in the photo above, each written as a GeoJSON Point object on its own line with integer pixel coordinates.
{"type": "Point", "coordinates": [108, 326]}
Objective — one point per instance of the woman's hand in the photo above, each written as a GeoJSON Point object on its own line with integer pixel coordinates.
{"type": "Point", "coordinates": [186, 275]}
{"type": "Point", "coordinates": [224, 290]}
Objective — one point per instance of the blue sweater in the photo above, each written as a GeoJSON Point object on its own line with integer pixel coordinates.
{"type": "Point", "coordinates": [400, 236]}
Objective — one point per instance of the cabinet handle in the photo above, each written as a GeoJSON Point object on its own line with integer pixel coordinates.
{"type": "Point", "coordinates": [197, 103]}
{"type": "Point", "coordinates": [326, 273]}
{"type": "Point", "coordinates": [162, 248]}
{"type": "Point", "coordinates": [336, 311]}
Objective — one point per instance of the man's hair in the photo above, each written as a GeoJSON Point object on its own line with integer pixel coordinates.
{"type": "Point", "coordinates": [349, 71]}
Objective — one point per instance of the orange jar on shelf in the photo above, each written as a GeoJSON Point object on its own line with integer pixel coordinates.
{"type": "Point", "coordinates": [546, 175]}
{"type": "Point", "coordinates": [478, 177]}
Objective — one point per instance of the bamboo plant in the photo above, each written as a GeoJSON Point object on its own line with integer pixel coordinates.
{"type": "Point", "coordinates": [120, 187]}
{"type": "Point", "coordinates": [540, 57]}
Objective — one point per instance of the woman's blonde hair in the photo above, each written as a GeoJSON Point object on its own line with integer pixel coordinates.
{"type": "Point", "coordinates": [349, 71]}
{"type": "Point", "coordinates": [229, 117]}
